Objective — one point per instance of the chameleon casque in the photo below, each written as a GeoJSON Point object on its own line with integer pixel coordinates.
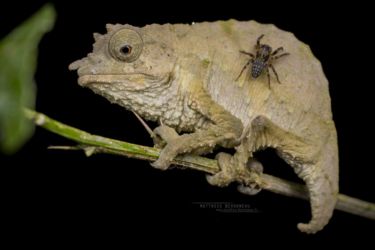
{"type": "Point", "coordinates": [184, 77]}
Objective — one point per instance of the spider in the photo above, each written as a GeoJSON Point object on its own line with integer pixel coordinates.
{"type": "Point", "coordinates": [262, 60]}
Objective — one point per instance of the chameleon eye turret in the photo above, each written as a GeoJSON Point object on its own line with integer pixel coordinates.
{"type": "Point", "coordinates": [126, 45]}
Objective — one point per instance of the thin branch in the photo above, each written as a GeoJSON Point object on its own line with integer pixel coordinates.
{"type": "Point", "coordinates": [92, 144]}
{"type": "Point", "coordinates": [144, 124]}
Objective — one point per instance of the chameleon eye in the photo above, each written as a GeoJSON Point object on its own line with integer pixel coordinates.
{"type": "Point", "coordinates": [126, 49]}
{"type": "Point", "coordinates": [125, 45]}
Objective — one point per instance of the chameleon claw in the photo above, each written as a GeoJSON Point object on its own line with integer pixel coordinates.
{"type": "Point", "coordinates": [160, 164]}
{"type": "Point", "coordinates": [226, 174]}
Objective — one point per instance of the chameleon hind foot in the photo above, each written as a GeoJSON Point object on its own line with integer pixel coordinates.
{"type": "Point", "coordinates": [233, 170]}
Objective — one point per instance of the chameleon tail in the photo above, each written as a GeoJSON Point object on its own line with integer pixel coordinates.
{"type": "Point", "coordinates": [322, 183]}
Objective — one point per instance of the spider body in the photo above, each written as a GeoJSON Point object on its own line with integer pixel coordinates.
{"type": "Point", "coordinates": [262, 60]}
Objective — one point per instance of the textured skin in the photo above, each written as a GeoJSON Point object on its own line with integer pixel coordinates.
{"type": "Point", "coordinates": [185, 78]}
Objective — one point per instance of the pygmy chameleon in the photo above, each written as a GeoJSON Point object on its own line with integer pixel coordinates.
{"type": "Point", "coordinates": [184, 77]}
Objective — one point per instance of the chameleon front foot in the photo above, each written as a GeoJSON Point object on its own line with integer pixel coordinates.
{"type": "Point", "coordinates": [165, 137]}
{"type": "Point", "coordinates": [199, 142]}
{"type": "Point", "coordinates": [162, 135]}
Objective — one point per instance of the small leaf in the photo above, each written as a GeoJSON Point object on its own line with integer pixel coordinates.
{"type": "Point", "coordinates": [18, 60]}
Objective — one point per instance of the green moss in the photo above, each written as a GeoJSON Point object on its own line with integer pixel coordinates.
{"type": "Point", "coordinates": [205, 62]}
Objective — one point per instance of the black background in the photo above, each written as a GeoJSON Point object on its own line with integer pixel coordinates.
{"type": "Point", "coordinates": [62, 195]}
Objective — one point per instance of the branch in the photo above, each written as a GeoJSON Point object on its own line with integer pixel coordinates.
{"type": "Point", "coordinates": [97, 144]}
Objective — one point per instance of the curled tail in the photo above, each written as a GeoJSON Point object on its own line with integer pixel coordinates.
{"type": "Point", "coordinates": [314, 159]}
{"type": "Point", "coordinates": [322, 183]}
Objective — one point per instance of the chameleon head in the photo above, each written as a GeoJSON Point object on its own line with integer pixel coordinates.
{"type": "Point", "coordinates": [126, 62]}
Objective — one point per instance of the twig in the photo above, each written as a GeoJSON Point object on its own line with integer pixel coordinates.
{"type": "Point", "coordinates": [144, 124]}
{"type": "Point", "coordinates": [97, 144]}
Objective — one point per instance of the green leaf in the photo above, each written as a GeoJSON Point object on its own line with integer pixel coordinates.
{"type": "Point", "coordinates": [18, 61]}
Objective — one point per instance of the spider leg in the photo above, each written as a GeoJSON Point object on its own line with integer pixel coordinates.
{"type": "Point", "coordinates": [247, 53]}
{"type": "Point", "coordinates": [274, 71]}
{"type": "Point", "coordinates": [244, 67]}
{"type": "Point", "coordinates": [277, 51]}
{"type": "Point", "coordinates": [269, 79]}
{"type": "Point", "coordinates": [277, 57]}
{"type": "Point", "coordinates": [258, 41]}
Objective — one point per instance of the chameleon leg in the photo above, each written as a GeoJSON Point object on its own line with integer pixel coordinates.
{"type": "Point", "coordinates": [224, 129]}
{"type": "Point", "coordinates": [316, 164]}
{"type": "Point", "coordinates": [164, 134]}
{"type": "Point", "coordinates": [202, 141]}
{"type": "Point", "coordinates": [236, 167]}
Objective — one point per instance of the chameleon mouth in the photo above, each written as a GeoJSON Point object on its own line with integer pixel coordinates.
{"type": "Point", "coordinates": [133, 81]}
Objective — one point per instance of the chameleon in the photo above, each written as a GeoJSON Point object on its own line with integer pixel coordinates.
{"type": "Point", "coordinates": [183, 76]}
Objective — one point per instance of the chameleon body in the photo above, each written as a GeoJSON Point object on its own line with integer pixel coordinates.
{"type": "Point", "coordinates": [184, 76]}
